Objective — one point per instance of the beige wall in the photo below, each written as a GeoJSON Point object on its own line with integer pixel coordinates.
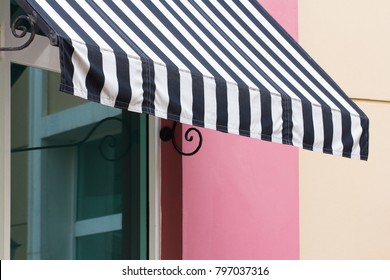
{"type": "Point", "coordinates": [350, 39]}
{"type": "Point", "coordinates": [345, 204]}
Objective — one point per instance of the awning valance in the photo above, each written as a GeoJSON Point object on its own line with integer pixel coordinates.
{"type": "Point", "coordinates": [223, 65]}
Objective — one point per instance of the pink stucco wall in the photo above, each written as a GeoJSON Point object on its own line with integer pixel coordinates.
{"type": "Point", "coordinates": [240, 195]}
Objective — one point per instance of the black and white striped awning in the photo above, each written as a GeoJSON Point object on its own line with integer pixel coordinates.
{"type": "Point", "coordinates": [223, 65]}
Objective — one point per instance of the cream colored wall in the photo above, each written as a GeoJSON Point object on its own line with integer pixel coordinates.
{"type": "Point", "coordinates": [350, 39]}
{"type": "Point", "coordinates": [345, 204]}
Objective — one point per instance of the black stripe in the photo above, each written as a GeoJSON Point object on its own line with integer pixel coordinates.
{"type": "Point", "coordinates": [308, 136]}
{"type": "Point", "coordinates": [364, 140]}
{"type": "Point", "coordinates": [328, 130]}
{"type": "Point", "coordinates": [245, 112]}
{"type": "Point", "coordinates": [67, 69]}
{"type": "Point", "coordinates": [148, 86]}
{"type": "Point", "coordinates": [198, 102]}
{"type": "Point", "coordinates": [95, 77]}
{"type": "Point", "coordinates": [222, 105]}
{"type": "Point", "coordinates": [266, 117]}
{"type": "Point", "coordinates": [174, 106]}
{"type": "Point", "coordinates": [124, 88]}
{"type": "Point", "coordinates": [347, 138]}
{"type": "Point", "coordinates": [287, 132]}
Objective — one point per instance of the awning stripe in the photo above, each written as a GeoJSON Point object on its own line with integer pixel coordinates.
{"type": "Point", "coordinates": [224, 65]}
{"type": "Point", "coordinates": [136, 88]}
{"type": "Point", "coordinates": [198, 100]}
{"type": "Point", "coordinates": [149, 90]}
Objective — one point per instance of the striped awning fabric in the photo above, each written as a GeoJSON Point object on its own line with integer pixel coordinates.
{"type": "Point", "coordinates": [223, 65]}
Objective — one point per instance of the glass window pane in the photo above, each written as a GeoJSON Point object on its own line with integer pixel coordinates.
{"type": "Point", "coordinates": [102, 246]}
{"type": "Point", "coordinates": [99, 189]}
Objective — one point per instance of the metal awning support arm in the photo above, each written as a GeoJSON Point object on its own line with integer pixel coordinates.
{"type": "Point", "coordinates": [19, 30]}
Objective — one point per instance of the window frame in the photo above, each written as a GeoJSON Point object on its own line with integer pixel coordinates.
{"type": "Point", "coordinates": [41, 54]}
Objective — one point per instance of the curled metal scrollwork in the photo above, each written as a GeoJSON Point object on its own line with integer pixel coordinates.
{"type": "Point", "coordinates": [107, 141]}
{"type": "Point", "coordinates": [19, 31]}
{"type": "Point", "coordinates": [168, 133]}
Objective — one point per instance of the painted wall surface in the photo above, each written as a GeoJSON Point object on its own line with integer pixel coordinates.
{"type": "Point", "coordinates": [344, 204]}
{"type": "Point", "coordinates": [240, 195]}
{"type": "Point", "coordinates": [350, 40]}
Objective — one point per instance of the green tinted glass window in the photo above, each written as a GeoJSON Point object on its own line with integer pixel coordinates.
{"type": "Point", "coordinates": [85, 201]}
{"type": "Point", "coordinates": [103, 246]}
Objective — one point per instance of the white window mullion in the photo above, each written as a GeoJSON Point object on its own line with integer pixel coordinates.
{"type": "Point", "coordinates": [5, 139]}
{"type": "Point", "coordinates": [5, 159]}
{"type": "Point", "coordinates": [154, 189]}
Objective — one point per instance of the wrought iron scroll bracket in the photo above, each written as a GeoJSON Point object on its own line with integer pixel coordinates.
{"type": "Point", "coordinates": [19, 30]}
{"type": "Point", "coordinates": [167, 133]}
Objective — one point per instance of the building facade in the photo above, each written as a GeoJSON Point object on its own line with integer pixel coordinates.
{"type": "Point", "coordinates": [237, 198]}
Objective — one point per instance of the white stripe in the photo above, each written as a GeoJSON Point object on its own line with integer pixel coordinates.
{"type": "Point", "coordinates": [186, 97]}
{"type": "Point", "coordinates": [81, 68]}
{"type": "Point", "coordinates": [136, 83]}
{"type": "Point", "coordinates": [337, 141]}
{"type": "Point", "coordinates": [297, 122]}
{"type": "Point", "coordinates": [161, 100]}
{"type": "Point", "coordinates": [210, 106]}
{"type": "Point", "coordinates": [318, 124]}
{"type": "Point", "coordinates": [356, 130]}
{"type": "Point", "coordinates": [277, 120]}
{"type": "Point", "coordinates": [255, 102]}
{"type": "Point", "coordinates": [110, 88]}
{"type": "Point", "coordinates": [233, 109]}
